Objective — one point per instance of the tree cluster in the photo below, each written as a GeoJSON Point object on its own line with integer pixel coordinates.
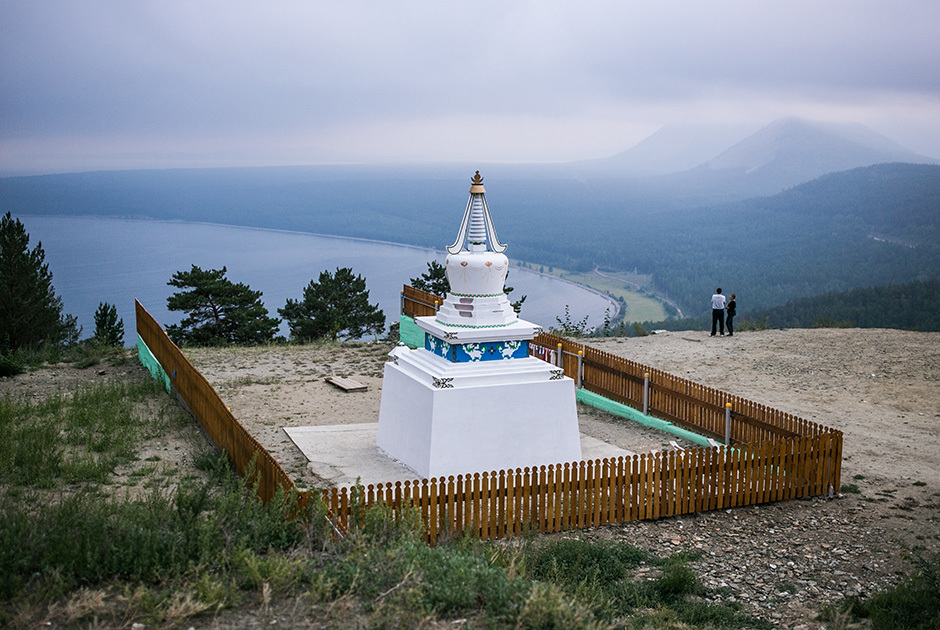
{"type": "Point", "coordinates": [220, 311]}
{"type": "Point", "coordinates": [336, 306]}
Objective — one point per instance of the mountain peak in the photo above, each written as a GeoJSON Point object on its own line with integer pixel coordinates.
{"type": "Point", "coordinates": [796, 150]}
{"type": "Point", "coordinates": [674, 148]}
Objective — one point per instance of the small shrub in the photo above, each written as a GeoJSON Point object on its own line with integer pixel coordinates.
{"type": "Point", "coordinates": [10, 366]}
{"type": "Point", "coordinates": [913, 604]}
{"type": "Point", "coordinates": [677, 581]}
{"type": "Point", "coordinates": [547, 608]}
{"type": "Point", "coordinates": [577, 561]}
{"type": "Point", "coordinates": [109, 328]}
{"type": "Point", "coordinates": [571, 328]}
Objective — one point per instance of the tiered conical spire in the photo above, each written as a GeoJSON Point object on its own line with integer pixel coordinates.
{"type": "Point", "coordinates": [477, 229]}
{"type": "Point", "coordinates": [477, 233]}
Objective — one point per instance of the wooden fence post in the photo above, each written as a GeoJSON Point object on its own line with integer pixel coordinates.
{"type": "Point", "coordinates": [727, 424]}
{"type": "Point", "coordinates": [580, 366]}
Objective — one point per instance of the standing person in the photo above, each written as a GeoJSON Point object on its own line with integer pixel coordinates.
{"type": "Point", "coordinates": [731, 307]}
{"type": "Point", "coordinates": [718, 312]}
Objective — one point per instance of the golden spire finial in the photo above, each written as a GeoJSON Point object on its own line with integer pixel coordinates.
{"type": "Point", "coordinates": [476, 183]}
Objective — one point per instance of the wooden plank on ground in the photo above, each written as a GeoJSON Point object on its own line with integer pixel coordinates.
{"type": "Point", "coordinates": [346, 384]}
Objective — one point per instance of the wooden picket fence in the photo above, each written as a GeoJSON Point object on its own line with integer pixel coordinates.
{"type": "Point", "coordinates": [773, 456]}
{"type": "Point", "coordinates": [600, 492]}
{"type": "Point", "coordinates": [690, 405]}
{"type": "Point", "coordinates": [247, 456]}
{"type": "Point", "coordinates": [418, 303]}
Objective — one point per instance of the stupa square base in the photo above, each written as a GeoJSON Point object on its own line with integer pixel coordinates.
{"type": "Point", "coordinates": [343, 454]}
{"type": "Point", "coordinates": [446, 419]}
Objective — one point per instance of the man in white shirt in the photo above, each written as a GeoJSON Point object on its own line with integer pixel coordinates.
{"type": "Point", "coordinates": [718, 312]}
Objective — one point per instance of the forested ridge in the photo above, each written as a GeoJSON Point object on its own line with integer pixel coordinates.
{"type": "Point", "coordinates": [866, 227]}
{"type": "Point", "coordinates": [910, 306]}
{"type": "Point", "coordinates": [869, 226]}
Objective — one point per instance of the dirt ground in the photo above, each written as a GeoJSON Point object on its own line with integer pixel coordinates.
{"type": "Point", "coordinates": [881, 388]}
{"type": "Point", "coordinates": [781, 561]}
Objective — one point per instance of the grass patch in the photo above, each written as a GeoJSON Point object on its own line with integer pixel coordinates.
{"type": "Point", "coordinates": [51, 549]}
{"type": "Point", "coordinates": [642, 306]}
{"type": "Point", "coordinates": [601, 575]}
{"type": "Point", "coordinates": [913, 604]}
{"type": "Point", "coordinates": [210, 545]}
{"type": "Point", "coordinates": [849, 488]}
{"type": "Point", "coordinates": [77, 438]}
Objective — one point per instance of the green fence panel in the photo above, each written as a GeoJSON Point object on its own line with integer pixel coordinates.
{"type": "Point", "coordinates": [624, 411]}
{"type": "Point", "coordinates": [409, 333]}
{"type": "Point", "coordinates": [150, 362]}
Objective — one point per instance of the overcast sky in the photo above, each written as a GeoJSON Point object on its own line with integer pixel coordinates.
{"type": "Point", "coordinates": [132, 84]}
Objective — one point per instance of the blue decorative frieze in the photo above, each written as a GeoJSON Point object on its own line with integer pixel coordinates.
{"type": "Point", "coordinates": [470, 352]}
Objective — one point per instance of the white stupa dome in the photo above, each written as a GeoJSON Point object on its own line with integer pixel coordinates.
{"type": "Point", "coordinates": [476, 270]}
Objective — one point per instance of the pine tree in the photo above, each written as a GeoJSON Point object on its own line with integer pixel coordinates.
{"type": "Point", "coordinates": [30, 311]}
{"type": "Point", "coordinates": [219, 311]}
{"type": "Point", "coordinates": [334, 307]}
{"type": "Point", "coordinates": [434, 280]}
{"type": "Point", "coordinates": [109, 329]}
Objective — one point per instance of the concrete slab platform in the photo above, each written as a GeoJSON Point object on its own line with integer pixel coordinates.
{"type": "Point", "coordinates": [339, 454]}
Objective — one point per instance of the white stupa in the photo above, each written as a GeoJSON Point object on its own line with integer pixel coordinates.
{"type": "Point", "coordinates": [472, 399]}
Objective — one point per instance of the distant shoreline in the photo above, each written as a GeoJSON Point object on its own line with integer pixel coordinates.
{"type": "Point", "coordinates": [428, 253]}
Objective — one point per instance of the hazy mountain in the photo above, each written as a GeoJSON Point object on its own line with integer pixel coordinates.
{"type": "Point", "coordinates": [797, 150]}
{"type": "Point", "coordinates": [873, 225]}
{"type": "Point", "coordinates": [671, 149]}
{"type": "Point", "coordinates": [788, 152]}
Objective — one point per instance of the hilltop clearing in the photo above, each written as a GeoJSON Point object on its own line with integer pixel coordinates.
{"type": "Point", "coordinates": [782, 562]}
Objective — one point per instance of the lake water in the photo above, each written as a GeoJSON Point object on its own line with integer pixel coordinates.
{"type": "Point", "coordinates": [117, 260]}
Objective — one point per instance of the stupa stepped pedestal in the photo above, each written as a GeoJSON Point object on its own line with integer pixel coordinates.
{"type": "Point", "coordinates": [471, 399]}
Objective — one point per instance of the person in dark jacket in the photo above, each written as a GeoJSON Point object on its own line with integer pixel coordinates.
{"type": "Point", "coordinates": [731, 307]}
